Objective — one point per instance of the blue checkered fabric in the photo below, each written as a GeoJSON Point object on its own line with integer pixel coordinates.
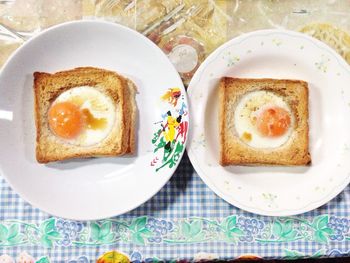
{"type": "Point", "coordinates": [184, 196]}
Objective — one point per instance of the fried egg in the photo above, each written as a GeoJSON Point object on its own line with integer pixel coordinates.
{"type": "Point", "coordinates": [262, 119]}
{"type": "Point", "coordinates": [82, 116]}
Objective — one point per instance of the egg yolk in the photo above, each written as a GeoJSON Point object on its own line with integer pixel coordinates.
{"type": "Point", "coordinates": [66, 120]}
{"type": "Point", "coordinates": [273, 122]}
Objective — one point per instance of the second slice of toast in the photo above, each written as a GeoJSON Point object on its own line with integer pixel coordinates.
{"type": "Point", "coordinates": [233, 151]}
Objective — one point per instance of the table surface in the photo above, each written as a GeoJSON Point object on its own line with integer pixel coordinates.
{"type": "Point", "coordinates": [185, 220]}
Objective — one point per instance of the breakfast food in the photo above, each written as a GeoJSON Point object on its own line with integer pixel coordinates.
{"type": "Point", "coordinates": [84, 112]}
{"type": "Point", "coordinates": [263, 122]}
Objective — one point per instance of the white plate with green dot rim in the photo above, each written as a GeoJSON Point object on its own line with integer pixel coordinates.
{"type": "Point", "coordinates": [276, 191]}
{"type": "Point", "coordinates": [99, 187]}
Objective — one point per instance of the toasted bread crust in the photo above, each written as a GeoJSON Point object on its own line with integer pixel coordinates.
{"type": "Point", "coordinates": [47, 87]}
{"type": "Point", "coordinates": [235, 152]}
{"type": "Point", "coordinates": [133, 115]}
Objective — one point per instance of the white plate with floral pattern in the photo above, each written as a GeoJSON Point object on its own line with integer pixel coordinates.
{"type": "Point", "coordinates": [276, 191]}
{"type": "Point", "coordinates": [100, 187]}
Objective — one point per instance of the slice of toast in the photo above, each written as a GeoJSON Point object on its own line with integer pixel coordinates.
{"type": "Point", "coordinates": [233, 151]}
{"type": "Point", "coordinates": [47, 87]}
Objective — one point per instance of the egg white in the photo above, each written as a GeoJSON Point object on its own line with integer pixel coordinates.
{"type": "Point", "coordinates": [251, 105]}
{"type": "Point", "coordinates": [99, 105]}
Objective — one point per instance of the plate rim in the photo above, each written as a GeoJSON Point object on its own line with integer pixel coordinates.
{"type": "Point", "coordinates": [192, 156]}
{"type": "Point", "coordinates": [167, 176]}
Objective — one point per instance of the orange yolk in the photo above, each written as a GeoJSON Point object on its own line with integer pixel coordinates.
{"type": "Point", "coordinates": [273, 122]}
{"type": "Point", "coordinates": [66, 120]}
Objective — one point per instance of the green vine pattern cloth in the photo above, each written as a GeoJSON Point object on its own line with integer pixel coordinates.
{"type": "Point", "coordinates": [145, 230]}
